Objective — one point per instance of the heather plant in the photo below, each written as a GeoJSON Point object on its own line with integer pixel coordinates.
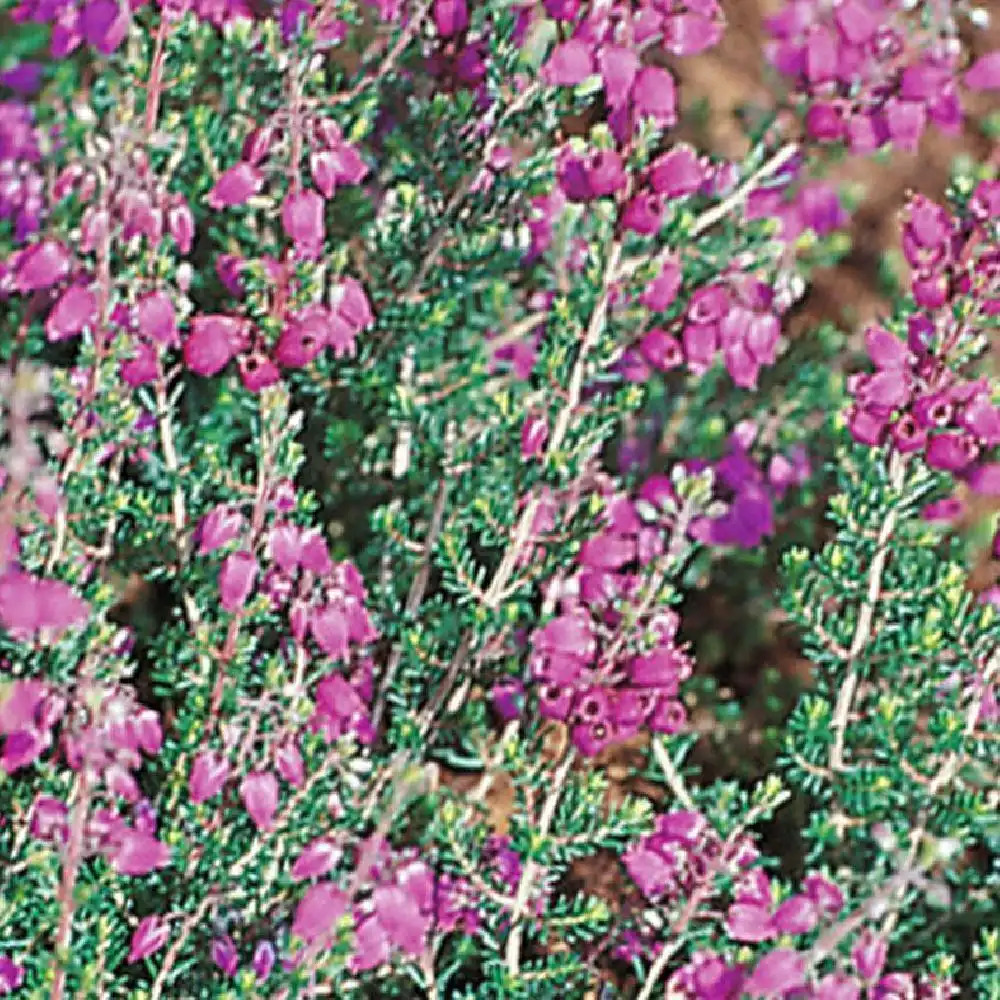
{"type": "Point", "coordinates": [417, 374]}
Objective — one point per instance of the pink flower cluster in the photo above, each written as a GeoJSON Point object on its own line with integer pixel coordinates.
{"type": "Point", "coordinates": [101, 24]}
{"type": "Point", "coordinates": [215, 340]}
{"type": "Point", "coordinates": [753, 918]}
{"type": "Point", "coordinates": [798, 207]}
{"type": "Point", "coordinates": [22, 186]}
{"type": "Point", "coordinates": [735, 315]}
{"type": "Point", "coordinates": [589, 663]}
{"type": "Point", "coordinates": [608, 40]}
{"type": "Point", "coordinates": [35, 607]}
{"type": "Point", "coordinates": [333, 163]}
{"type": "Point", "coordinates": [322, 601]}
{"type": "Point", "coordinates": [402, 902]}
{"type": "Point", "coordinates": [915, 400]}
{"type": "Point", "coordinates": [784, 972]}
{"type": "Point", "coordinates": [674, 860]}
{"type": "Point", "coordinates": [107, 750]}
{"type": "Point", "coordinates": [136, 208]}
{"type": "Point", "coordinates": [684, 858]}
{"type": "Point", "coordinates": [747, 490]}
{"type": "Point", "coordinates": [871, 72]}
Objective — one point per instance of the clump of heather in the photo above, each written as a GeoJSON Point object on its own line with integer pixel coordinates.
{"type": "Point", "coordinates": [380, 384]}
{"type": "Point", "coordinates": [872, 73]}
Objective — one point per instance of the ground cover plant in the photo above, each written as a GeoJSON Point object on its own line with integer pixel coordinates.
{"type": "Point", "coordinates": [384, 385]}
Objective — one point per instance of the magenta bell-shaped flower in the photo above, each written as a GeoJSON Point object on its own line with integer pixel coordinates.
{"type": "Point", "coordinates": [318, 911]}
{"type": "Point", "coordinates": [236, 186]}
{"type": "Point", "coordinates": [208, 774]}
{"type": "Point", "coordinates": [74, 311]}
{"type": "Point", "coordinates": [148, 937]}
{"type": "Point", "coordinates": [259, 792]}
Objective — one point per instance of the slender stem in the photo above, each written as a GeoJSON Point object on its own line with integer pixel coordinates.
{"type": "Point", "coordinates": [829, 940]}
{"type": "Point", "coordinates": [154, 88]}
{"type": "Point", "coordinates": [178, 506]}
{"type": "Point", "coordinates": [192, 921]}
{"type": "Point", "coordinates": [415, 596]}
{"type": "Point", "coordinates": [385, 67]}
{"type": "Point", "coordinates": [718, 212]}
{"type": "Point", "coordinates": [866, 615]}
{"type": "Point", "coordinates": [70, 872]}
{"type": "Point", "coordinates": [532, 868]}
{"type": "Point", "coordinates": [522, 532]}
{"type": "Point", "coordinates": [671, 775]}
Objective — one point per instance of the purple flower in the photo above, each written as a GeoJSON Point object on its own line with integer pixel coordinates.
{"type": "Point", "coordinates": [259, 792]}
{"type": "Point", "coordinates": [236, 579]}
{"type": "Point", "coordinates": [569, 64]}
{"type": "Point", "coordinates": [661, 350]}
{"type": "Point", "coordinates": [220, 526]}
{"type": "Point", "coordinates": [180, 224]}
{"type": "Point", "coordinates": [213, 342]}
{"type": "Point", "coordinates": [534, 433]}
{"type": "Point", "coordinates": [41, 266]}
{"type": "Point", "coordinates": [696, 29]}
{"type": "Point", "coordinates": [75, 310]}
{"type": "Point", "coordinates": [749, 922]}
{"type": "Point", "coordinates": [339, 708]}
{"type": "Point", "coordinates": [404, 922]}
{"type": "Point", "coordinates": [654, 96]}
{"type": "Point", "coordinates": [593, 737]}
{"type": "Point", "coordinates": [329, 627]}
{"type": "Point", "coordinates": [661, 292]}
{"type": "Point", "coordinates": [317, 858]}
{"type": "Point", "coordinates": [951, 452]}
{"type": "Point", "coordinates": [895, 986]}
{"type": "Point", "coordinates": [618, 66]}
{"type": "Point", "coordinates": [136, 853]}
{"type": "Point", "coordinates": [371, 945]}
{"type": "Point", "coordinates": [224, 955]}
{"type": "Point", "coordinates": [824, 893]}
{"type": "Point", "coordinates": [837, 986]}
{"type": "Point", "coordinates": [868, 955]}
{"type": "Point", "coordinates": [11, 974]}
{"type": "Point", "coordinates": [777, 973]}
{"type": "Point", "coordinates": [340, 164]}
{"type": "Point", "coordinates": [258, 371]}
{"type": "Point", "coordinates": [605, 173]}
{"type": "Point", "coordinates": [796, 915]}
{"type": "Point", "coordinates": [644, 214]}
{"type": "Point", "coordinates": [678, 172]}
{"type": "Point", "coordinates": [649, 871]}
{"type": "Point", "coordinates": [302, 219]}
{"type": "Point", "coordinates": [450, 17]}
{"type": "Point", "coordinates": [140, 368]}
{"type": "Point", "coordinates": [29, 604]}
{"type": "Point", "coordinates": [607, 551]}
{"type": "Point", "coordinates": [984, 73]}
{"type": "Point", "coordinates": [48, 819]}
{"type": "Point", "coordinates": [289, 763]}
{"type": "Point", "coordinates": [319, 909]}
{"type": "Point", "coordinates": [24, 77]}
{"type": "Point", "coordinates": [236, 186]}
{"type": "Point", "coordinates": [985, 479]}
{"type": "Point", "coordinates": [148, 937]}
{"type": "Point", "coordinates": [263, 960]}
{"type": "Point", "coordinates": [507, 698]}
{"type": "Point", "coordinates": [155, 317]}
